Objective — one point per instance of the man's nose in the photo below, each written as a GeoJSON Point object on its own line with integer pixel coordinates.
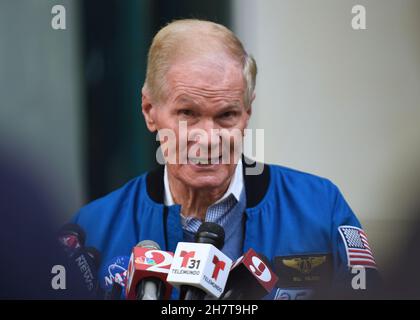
{"type": "Point", "coordinates": [208, 125]}
{"type": "Point", "coordinates": [206, 133]}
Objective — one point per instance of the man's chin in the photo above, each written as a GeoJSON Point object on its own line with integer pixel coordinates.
{"type": "Point", "coordinates": [204, 182]}
{"type": "Point", "coordinates": [204, 177]}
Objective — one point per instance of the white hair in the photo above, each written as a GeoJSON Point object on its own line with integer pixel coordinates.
{"type": "Point", "coordinates": [171, 40]}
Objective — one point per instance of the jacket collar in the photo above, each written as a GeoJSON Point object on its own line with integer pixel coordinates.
{"type": "Point", "coordinates": [255, 185]}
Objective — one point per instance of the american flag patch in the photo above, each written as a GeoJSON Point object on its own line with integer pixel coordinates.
{"type": "Point", "coordinates": [357, 247]}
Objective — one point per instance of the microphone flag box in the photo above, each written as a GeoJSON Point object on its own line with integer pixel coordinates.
{"type": "Point", "coordinates": [257, 271]}
{"type": "Point", "coordinates": [200, 265]}
{"type": "Point", "coordinates": [147, 263]}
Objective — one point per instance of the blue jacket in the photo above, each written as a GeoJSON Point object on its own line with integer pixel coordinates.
{"type": "Point", "coordinates": [291, 217]}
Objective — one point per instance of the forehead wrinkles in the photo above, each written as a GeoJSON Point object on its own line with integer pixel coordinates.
{"type": "Point", "coordinates": [208, 77]}
{"type": "Point", "coordinates": [181, 90]}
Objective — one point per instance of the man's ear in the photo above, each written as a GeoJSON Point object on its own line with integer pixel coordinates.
{"type": "Point", "coordinates": [252, 100]}
{"type": "Point", "coordinates": [148, 110]}
{"type": "Point", "coordinates": [249, 110]}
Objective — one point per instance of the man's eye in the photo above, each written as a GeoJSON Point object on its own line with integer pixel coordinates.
{"type": "Point", "coordinates": [227, 115]}
{"type": "Point", "coordinates": [185, 113]}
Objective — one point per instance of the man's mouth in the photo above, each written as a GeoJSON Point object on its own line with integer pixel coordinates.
{"type": "Point", "coordinates": [205, 161]}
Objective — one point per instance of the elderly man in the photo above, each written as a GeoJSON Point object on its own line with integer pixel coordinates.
{"type": "Point", "coordinates": [199, 76]}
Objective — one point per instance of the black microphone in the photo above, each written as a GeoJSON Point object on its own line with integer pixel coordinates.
{"type": "Point", "coordinates": [82, 262]}
{"type": "Point", "coordinates": [210, 233]}
{"type": "Point", "coordinates": [86, 262]}
{"type": "Point", "coordinates": [115, 292]}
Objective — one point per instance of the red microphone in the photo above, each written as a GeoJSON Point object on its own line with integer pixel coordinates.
{"type": "Point", "coordinates": [147, 272]}
{"type": "Point", "coordinates": [251, 278]}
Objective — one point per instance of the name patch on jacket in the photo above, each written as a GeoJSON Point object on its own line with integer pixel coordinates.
{"type": "Point", "coordinates": [303, 270]}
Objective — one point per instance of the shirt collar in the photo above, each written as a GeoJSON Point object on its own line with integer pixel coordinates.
{"type": "Point", "coordinates": [235, 187]}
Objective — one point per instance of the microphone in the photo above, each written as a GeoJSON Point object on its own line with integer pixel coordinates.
{"type": "Point", "coordinates": [71, 237]}
{"type": "Point", "coordinates": [200, 268]}
{"type": "Point", "coordinates": [86, 261]}
{"type": "Point", "coordinates": [115, 293]}
{"type": "Point", "coordinates": [251, 278]}
{"type": "Point", "coordinates": [83, 262]}
{"type": "Point", "coordinates": [147, 272]}
{"type": "Point", "coordinates": [94, 255]}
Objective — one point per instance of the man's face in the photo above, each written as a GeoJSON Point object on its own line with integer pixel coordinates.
{"type": "Point", "coordinates": [206, 94]}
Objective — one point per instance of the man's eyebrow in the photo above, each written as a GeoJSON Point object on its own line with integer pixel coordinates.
{"type": "Point", "coordinates": [234, 104]}
{"type": "Point", "coordinates": [230, 105]}
{"type": "Point", "coordinates": [186, 99]}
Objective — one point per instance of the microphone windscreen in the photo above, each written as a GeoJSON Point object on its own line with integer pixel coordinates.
{"type": "Point", "coordinates": [95, 255]}
{"type": "Point", "coordinates": [149, 244]}
{"type": "Point", "coordinates": [212, 233]}
{"type": "Point", "coordinates": [72, 236]}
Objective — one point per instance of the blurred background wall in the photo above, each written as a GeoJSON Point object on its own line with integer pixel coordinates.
{"type": "Point", "coordinates": [41, 99]}
{"type": "Point", "coordinates": [333, 101]}
{"type": "Point", "coordinates": [341, 103]}
{"type": "Point", "coordinates": [71, 99]}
